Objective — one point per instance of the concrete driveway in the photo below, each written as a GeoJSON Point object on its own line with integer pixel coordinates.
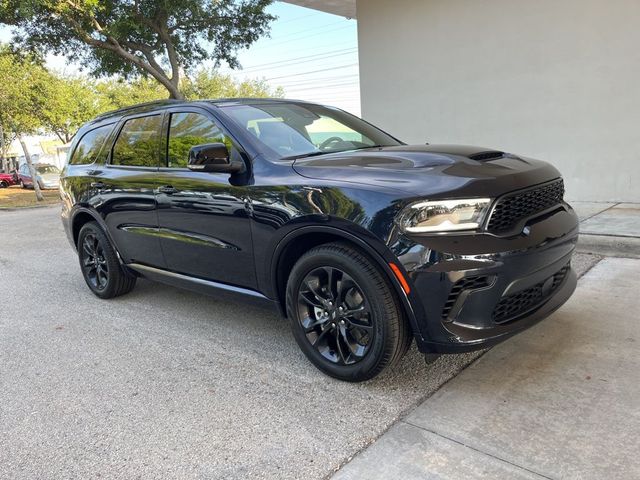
{"type": "Point", "coordinates": [559, 401]}
{"type": "Point", "coordinates": [163, 383]}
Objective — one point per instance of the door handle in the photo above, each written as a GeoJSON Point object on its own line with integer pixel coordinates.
{"type": "Point", "coordinates": [98, 185]}
{"type": "Point", "coordinates": [168, 189]}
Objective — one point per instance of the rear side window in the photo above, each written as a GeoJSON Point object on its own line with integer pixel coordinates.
{"type": "Point", "coordinates": [137, 143]}
{"type": "Point", "coordinates": [90, 145]}
{"type": "Point", "coordinates": [187, 130]}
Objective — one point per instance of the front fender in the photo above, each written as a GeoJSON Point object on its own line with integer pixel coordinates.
{"type": "Point", "coordinates": [371, 245]}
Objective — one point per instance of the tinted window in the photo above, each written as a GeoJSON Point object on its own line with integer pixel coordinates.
{"type": "Point", "coordinates": [187, 130]}
{"type": "Point", "coordinates": [137, 143]}
{"type": "Point", "coordinates": [90, 145]}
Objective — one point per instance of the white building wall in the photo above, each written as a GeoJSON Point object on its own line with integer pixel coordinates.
{"type": "Point", "coordinates": [557, 80]}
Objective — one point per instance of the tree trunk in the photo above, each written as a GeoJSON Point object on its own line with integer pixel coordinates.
{"type": "Point", "coordinates": [32, 170]}
{"type": "Point", "coordinates": [3, 150]}
{"type": "Point", "coordinates": [174, 92]}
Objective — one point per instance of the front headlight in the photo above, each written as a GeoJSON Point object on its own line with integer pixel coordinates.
{"type": "Point", "coordinates": [444, 215]}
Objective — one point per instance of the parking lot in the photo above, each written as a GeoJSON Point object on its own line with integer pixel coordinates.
{"type": "Point", "coordinates": [164, 383]}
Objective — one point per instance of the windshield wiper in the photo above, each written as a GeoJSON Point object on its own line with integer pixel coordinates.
{"type": "Point", "coordinates": [305, 155]}
{"type": "Point", "coordinates": [314, 154]}
{"type": "Point", "coordinates": [371, 146]}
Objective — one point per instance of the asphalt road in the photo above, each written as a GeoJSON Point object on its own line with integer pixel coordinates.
{"type": "Point", "coordinates": [163, 383]}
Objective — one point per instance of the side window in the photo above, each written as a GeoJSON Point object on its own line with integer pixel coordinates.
{"type": "Point", "coordinates": [187, 130]}
{"type": "Point", "coordinates": [137, 143]}
{"type": "Point", "coordinates": [90, 145]}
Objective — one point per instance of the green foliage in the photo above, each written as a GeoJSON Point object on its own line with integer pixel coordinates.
{"type": "Point", "coordinates": [145, 37]}
{"type": "Point", "coordinates": [70, 102]}
{"type": "Point", "coordinates": [209, 84]}
{"type": "Point", "coordinates": [24, 91]}
{"type": "Point", "coordinates": [205, 84]}
{"type": "Point", "coordinates": [32, 99]}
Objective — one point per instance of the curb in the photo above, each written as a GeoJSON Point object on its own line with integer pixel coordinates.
{"type": "Point", "coordinates": [609, 245]}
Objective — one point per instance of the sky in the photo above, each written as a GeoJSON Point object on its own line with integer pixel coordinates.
{"type": "Point", "coordinates": [312, 55]}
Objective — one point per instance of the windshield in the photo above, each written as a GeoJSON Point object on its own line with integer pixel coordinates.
{"type": "Point", "coordinates": [295, 130]}
{"type": "Point", "coordinates": [47, 169]}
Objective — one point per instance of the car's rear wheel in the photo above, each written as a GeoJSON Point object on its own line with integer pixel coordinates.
{"type": "Point", "coordinates": [3, 184]}
{"type": "Point", "coordinates": [100, 265]}
{"type": "Point", "coordinates": [344, 313]}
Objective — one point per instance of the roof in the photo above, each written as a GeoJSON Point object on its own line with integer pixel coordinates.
{"type": "Point", "coordinates": [251, 101]}
{"type": "Point", "coordinates": [344, 8]}
{"type": "Point", "coordinates": [148, 106]}
{"type": "Point", "coordinates": [140, 107]}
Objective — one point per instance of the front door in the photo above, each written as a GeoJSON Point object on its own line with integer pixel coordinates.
{"type": "Point", "coordinates": [204, 224]}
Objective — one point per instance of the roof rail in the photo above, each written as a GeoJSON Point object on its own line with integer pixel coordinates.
{"type": "Point", "coordinates": [138, 105]}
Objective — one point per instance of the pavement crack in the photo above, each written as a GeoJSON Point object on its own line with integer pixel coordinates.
{"type": "Point", "coordinates": [598, 213]}
{"type": "Point", "coordinates": [541, 475]}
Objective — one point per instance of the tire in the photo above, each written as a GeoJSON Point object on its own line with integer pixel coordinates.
{"type": "Point", "coordinates": [369, 334]}
{"type": "Point", "coordinates": [4, 184]}
{"type": "Point", "coordinates": [99, 263]}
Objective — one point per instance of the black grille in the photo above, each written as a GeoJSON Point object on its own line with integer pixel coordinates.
{"type": "Point", "coordinates": [514, 207]}
{"type": "Point", "coordinates": [518, 303]}
{"type": "Point", "coordinates": [470, 283]}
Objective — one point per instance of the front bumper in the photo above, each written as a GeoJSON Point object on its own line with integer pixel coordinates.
{"type": "Point", "coordinates": [470, 291]}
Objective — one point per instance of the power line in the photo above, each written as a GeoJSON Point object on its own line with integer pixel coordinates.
{"type": "Point", "coordinates": [298, 60]}
{"type": "Point", "coordinates": [279, 37]}
{"type": "Point", "coordinates": [313, 71]}
{"type": "Point", "coordinates": [301, 38]}
{"type": "Point", "coordinates": [318, 79]}
{"type": "Point", "coordinates": [297, 18]}
{"type": "Point", "coordinates": [319, 87]}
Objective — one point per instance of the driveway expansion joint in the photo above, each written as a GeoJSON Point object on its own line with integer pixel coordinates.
{"type": "Point", "coordinates": [475, 449]}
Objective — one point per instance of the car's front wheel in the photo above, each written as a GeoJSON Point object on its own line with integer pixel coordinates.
{"type": "Point", "coordinates": [344, 313]}
{"type": "Point", "coordinates": [100, 265]}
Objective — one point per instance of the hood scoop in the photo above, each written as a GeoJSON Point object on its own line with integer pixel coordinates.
{"type": "Point", "coordinates": [486, 156]}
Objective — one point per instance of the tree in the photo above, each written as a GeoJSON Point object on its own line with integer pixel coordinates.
{"type": "Point", "coordinates": [70, 102]}
{"type": "Point", "coordinates": [22, 96]}
{"type": "Point", "coordinates": [207, 84]}
{"type": "Point", "coordinates": [160, 39]}
{"type": "Point", "coordinates": [204, 84]}
{"type": "Point", "coordinates": [6, 137]}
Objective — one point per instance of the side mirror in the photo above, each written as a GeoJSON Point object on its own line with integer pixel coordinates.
{"type": "Point", "coordinates": [212, 157]}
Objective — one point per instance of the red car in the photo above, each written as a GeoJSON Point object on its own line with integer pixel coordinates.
{"type": "Point", "coordinates": [6, 180]}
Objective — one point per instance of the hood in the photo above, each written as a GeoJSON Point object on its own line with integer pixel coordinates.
{"type": "Point", "coordinates": [430, 169]}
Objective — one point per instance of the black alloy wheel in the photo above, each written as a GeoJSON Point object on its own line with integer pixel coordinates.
{"type": "Point", "coordinates": [93, 262]}
{"type": "Point", "coordinates": [101, 268]}
{"type": "Point", "coordinates": [344, 313]}
{"type": "Point", "coordinates": [335, 315]}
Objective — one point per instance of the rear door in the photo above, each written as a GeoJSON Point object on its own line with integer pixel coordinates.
{"type": "Point", "coordinates": [203, 219]}
{"type": "Point", "coordinates": [127, 189]}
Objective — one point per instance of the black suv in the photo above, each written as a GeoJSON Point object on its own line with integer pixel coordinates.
{"type": "Point", "coordinates": [363, 242]}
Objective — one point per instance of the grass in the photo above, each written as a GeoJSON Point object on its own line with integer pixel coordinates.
{"type": "Point", "coordinates": [16, 197]}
